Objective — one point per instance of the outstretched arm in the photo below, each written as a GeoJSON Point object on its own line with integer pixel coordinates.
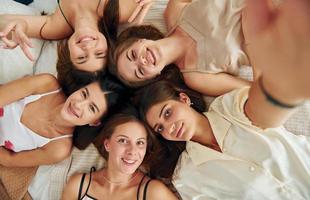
{"type": "Point", "coordinates": [213, 84]}
{"type": "Point", "coordinates": [23, 87]}
{"type": "Point", "coordinates": [15, 30]}
{"type": "Point", "coordinates": [53, 152]}
{"type": "Point", "coordinates": [279, 46]}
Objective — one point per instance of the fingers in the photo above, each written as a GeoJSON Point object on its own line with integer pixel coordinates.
{"type": "Point", "coordinates": [140, 11]}
{"type": "Point", "coordinates": [26, 51]}
{"type": "Point", "coordinates": [258, 15]}
{"type": "Point", "coordinates": [139, 19]}
{"type": "Point", "coordinates": [134, 14]}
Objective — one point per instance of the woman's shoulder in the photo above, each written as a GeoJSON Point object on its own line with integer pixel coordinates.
{"type": "Point", "coordinates": [155, 187]}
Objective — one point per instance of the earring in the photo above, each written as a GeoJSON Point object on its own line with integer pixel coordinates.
{"type": "Point", "coordinates": [191, 104]}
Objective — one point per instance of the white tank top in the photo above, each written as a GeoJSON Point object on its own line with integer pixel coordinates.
{"type": "Point", "coordinates": [16, 136]}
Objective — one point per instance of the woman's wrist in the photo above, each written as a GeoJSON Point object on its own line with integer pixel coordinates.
{"type": "Point", "coordinates": [289, 103]}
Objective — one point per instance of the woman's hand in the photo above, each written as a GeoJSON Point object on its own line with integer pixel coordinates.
{"type": "Point", "coordinates": [279, 45]}
{"type": "Point", "coordinates": [139, 13]}
{"type": "Point", "coordinates": [13, 35]}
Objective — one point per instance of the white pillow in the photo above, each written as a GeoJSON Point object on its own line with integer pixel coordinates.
{"type": "Point", "coordinates": [13, 63]}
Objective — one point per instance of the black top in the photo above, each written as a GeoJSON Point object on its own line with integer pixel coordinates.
{"type": "Point", "coordinates": [93, 198]}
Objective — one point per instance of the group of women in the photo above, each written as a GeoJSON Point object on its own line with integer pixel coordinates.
{"type": "Point", "coordinates": [236, 150]}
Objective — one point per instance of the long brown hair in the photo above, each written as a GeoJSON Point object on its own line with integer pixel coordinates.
{"type": "Point", "coordinates": [169, 151]}
{"type": "Point", "coordinates": [71, 78]}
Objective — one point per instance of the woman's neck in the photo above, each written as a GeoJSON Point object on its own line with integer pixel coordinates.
{"type": "Point", "coordinates": [180, 37]}
{"type": "Point", "coordinates": [85, 20]}
{"type": "Point", "coordinates": [204, 133]}
{"type": "Point", "coordinates": [171, 49]}
{"type": "Point", "coordinates": [114, 179]}
{"type": "Point", "coordinates": [57, 122]}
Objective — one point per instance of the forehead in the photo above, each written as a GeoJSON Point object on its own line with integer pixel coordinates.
{"type": "Point", "coordinates": [96, 95]}
{"type": "Point", "coordinates": [133, 130]}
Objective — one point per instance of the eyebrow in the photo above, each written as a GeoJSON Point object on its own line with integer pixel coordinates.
{"type": "Point", "coordinates": [87, 93]}
{"type": "Point", "coordinates": [142, 138]}
{"type": "Point", "coordinates": [160, 114]}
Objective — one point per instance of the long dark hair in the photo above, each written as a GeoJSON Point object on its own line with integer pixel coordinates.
{"type": "Point", "coordinates": [116, 95]}
{"type": "Point", "coordinates": [126, 39]}
{"type": "Point", "coordinates": [68, 75]}
{"type": "Point", "coordinates": [169, 151]}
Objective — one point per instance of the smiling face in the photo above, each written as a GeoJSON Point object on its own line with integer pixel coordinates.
{"type": "Point", "coordinates": [174, 120]}
{"type": "Point", "coordinates": [140, 61]}
{"type": "Point", "coordinates": [85, 106]}
{"type": "Point", "coordinates": [88, 50]}
{"type": "Point", "coordinates": [127, 147]}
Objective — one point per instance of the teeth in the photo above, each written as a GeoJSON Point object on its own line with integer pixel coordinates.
{"type": "Point", "coordinates": [85, 39]}
{"type": "Point", "coordinates": [129, 161]}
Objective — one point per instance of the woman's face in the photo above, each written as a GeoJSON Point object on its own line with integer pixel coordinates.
{"type": "Point", "coordinates": [88, 50]}
{"type": "Point", "coordinates": [127, 147]}
{"type": "Point", "coordinates": [174, 120]}
{"type": "Point", "coordinates": [141, 61]}
{"type": "Point", "coordinates": [85, 106]}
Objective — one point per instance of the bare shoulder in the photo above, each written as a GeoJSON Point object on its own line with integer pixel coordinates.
{"type": "Point", "coordinates": [63, 146]}
{"type": "Point", "coordinates": [71, 188]}
{"type": "Point", "coordinates": [47, 82]}
{"type": "Point", "coordinates": [157, 187]}
{"type": "Point", "coordinates": [173, 11]}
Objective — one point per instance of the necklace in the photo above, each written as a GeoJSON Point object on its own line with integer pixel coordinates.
{"type": "Point", "coordinates": [119, 182]}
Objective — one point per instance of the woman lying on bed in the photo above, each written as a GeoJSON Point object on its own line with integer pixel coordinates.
{"type": "Point", "coordinates": [37, 120]}
{"type": "Point", "coordinates": [89, 24]}
{"type": "Point", "coordinates": [205, 41]}
{"type": "Point", "coordinates": [239, 150]}
{"type": "Point", "coordinates": [125, 144]}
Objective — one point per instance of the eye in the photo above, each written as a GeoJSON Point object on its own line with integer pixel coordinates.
{"type": "Point", "coordinates": [84, 95]}
{"type": "Point", "coordinates": [92, 108]}
{"type": "Point", "coordinates": [167, 113]}
{"type": "Point", "coordinates": [159, 129]}
{"type": "Point", "coordinates": [141, 71]}
{"type": "Point", "coordinates": [81, 57]}
{"type": "Point", "coordinates": [100, 54]}
{"type": "Point", "coordinates": [140, 143]}
{"type": "Point", "coordinates": [122, 141]}
{"type": "Point", "coordinates": [133, 54]}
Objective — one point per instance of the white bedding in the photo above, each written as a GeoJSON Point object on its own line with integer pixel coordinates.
{"type": "Point", "coordinates": [49, 180]}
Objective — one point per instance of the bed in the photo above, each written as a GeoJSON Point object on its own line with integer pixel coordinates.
{"type": "Point", "coordinates": [47, 182]}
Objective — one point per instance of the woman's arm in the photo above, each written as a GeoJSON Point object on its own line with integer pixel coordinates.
{"type": "Point", "coordinates": [279, 46]}
{"type": "Point", "coordinates": [173, 11]}
{"type": "Point", "coordinates": [71, 189]}
{"type": "Point", "coordinates": [53, 152]}
{"type": "Point", "coordinates": [159, 191]}
{"type": "Point", "coordinates": [213, 84]}
{"type": "Point", "coordinates": [23, 87]}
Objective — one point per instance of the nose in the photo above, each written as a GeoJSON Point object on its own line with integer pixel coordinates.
{"type": "Point", "coordinates": [142, 60]}
{"type": "Point", "coordinates": [131, 149]}
{"type": "Point", "coordinates": [80, 104]}
{"type": "Point", "coordinates": [88, 45]}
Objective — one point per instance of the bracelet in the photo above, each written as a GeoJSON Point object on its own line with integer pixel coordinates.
{"type": "Point", "coordinates": [273, 100]}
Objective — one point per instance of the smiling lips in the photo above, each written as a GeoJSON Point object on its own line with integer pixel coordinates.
{"type": "Point", "coordinates": [180, 131]}
{"type": "Point", "coordinates": [150, 56]}
{"type": "Point", "coordinates": [129, 161]}
{"type": "Point", "coordinates": [72, 111]}
{"type": "Point", "coordinates": [86, 39]}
